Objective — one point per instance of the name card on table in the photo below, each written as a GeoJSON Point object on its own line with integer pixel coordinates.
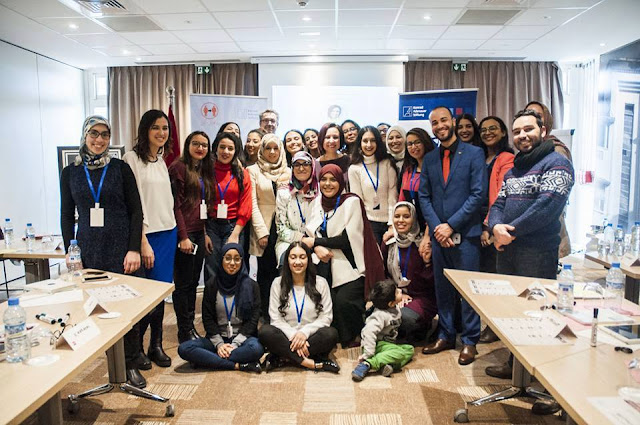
{"type": "Point", "coordinates": [549, 329]}
{"type": "Point", "coordinates": [491, 287]}
{"type": "Point", "coordinates": [80, 334]}
{"type": "Point", "coordinates": [91, 304]}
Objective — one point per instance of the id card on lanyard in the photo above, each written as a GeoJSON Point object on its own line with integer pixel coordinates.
{"type": "Point", "coordinates": [229, 313]}
{"type": "Point", "coordinates": [404, 270]}
{"type": "Point", "coordinates": [323, 226]}
{"type": "Point", "coordinates": [299, 310]}
{"type": "Point", "coordinates": [96, 214]}
{"type": "Point", "coordinates": [376, 200]}
{"type": "Point", "coordinates": [222, 207]}
{"type": "Point", "coordinates": [203, 205]}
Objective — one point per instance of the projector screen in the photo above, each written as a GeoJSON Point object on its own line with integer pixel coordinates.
{"type": "Point", "coordinates": [307, 95]}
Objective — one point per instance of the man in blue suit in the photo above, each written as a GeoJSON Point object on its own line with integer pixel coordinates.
{"type": "Point", "coordinates": [453, 187]}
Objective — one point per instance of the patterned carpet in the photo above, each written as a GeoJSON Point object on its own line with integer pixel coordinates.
{"type": "Point", "coordinates": [427, 391]}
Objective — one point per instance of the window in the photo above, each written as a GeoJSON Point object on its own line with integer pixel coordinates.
{"type": "Point", "coordinates": [96, 92]}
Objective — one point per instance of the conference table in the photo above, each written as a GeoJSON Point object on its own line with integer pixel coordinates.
{"type": "Point", "coordinates": [26, 388]}
{"type": "Point", "coordinates": [632, 273]}
{"type": "Point", "coordinates": [555, 366]}
{"type": "Point", "coordinates": [36, 262]}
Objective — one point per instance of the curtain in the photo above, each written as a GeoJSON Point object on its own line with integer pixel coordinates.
{"type": "Point", "coordinates": [504, 88]}
{"type": "Point", "coordinates": [133, 90]}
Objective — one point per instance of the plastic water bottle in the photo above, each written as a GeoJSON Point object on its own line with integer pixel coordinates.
{"type": "Point", "coordinates": [565, 290]}
{"type": "Point", "coordinates": [615, 286]}
{"type": "Point", "coordinates": [609, 236]}
{"type": "Point", "coordinates": [618, 244]}
{"type": "Point", "coordinates": [8, 233]}
{"type": "Point", "coordinates": [605, 222]}
{"type": "Point", "coordinates": [635, 238]}
{"type": "Point", "coordinates": [31, 237]}
{"type": "Point", "coordinates": [17, 341]}
{"type": "Point", "coordinates": [75, 259]}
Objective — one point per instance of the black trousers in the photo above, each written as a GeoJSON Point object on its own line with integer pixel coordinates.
{"type": "Point", "coordinates": [348, 310]}
{"type": "Point", "coordinates": [132, 346]}
{"type": "Point", "coordinates": [154, 320]}
{"type": "Point", "coordinates": [320, 343]}
{"type": "Point", "coordinates": [186, 275]}
{"type": "Point", "coordinates": [267, 270]}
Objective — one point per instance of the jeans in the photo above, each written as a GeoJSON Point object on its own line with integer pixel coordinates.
{"type": "Point", "coordinates": [320, 343]}
{"type": "Point", "coordinates": [413, 328]}
{"type": "Point", "coordinates": [202, 352]}
{"type": "Point", "coordinates": [528, 261]}
{"type": "Point", "coordinates": [186, 276]}
{"type": "Point", "coordinates": [219, 231]}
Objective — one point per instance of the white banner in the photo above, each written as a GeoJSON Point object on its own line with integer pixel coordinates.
{"type": "Point", "coordinates": [210, 111]}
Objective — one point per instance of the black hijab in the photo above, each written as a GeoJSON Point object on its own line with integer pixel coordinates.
{"type": "Point", "coordinates": [240, 284]}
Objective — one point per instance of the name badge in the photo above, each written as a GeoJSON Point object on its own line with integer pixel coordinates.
{"type": "Point", "coordinates": [81, 333]}
{"type": "Point", "coordinates": [222, 210]}
{"type": "Point", "coordinates": [376, 200]}
{"type": "Point", "coordinates": [203, 211]}
{"type": "Point", "coordinates": [96, 216]}
{"type": "Point", "coordinates": [229, 330]}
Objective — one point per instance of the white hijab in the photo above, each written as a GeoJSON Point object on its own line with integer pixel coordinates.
{"type": "Point", "coordinates": [402, 240]}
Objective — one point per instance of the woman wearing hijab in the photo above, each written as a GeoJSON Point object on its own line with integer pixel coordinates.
{"type": "Point", "coordinates": [295, 203]}
{"type": "Point", "coordinates": [396, 138]}
{"type": "Point", "coordinates": [113, 243]}
{"type": "Point", "coordinates": [269, 173]}
{"type": "Point", "coordinates": [350, 258]}
{"type": "Point", "coordinates": [230, 313]}
{"type": "Point", "coordinates": [160, 233]}
{"type": "Point", "coordinates": [406, 267]}
{"type": "Point", "coordinates": [193, 186]}
{"type": "Point", "coordinates": [301, 312]}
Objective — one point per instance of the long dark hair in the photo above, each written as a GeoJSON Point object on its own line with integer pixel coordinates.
{"type": "Point", "coordinates": [194, 172]}
{"type": "Point", "coordinates": [286, 281]}
{"type": "Point", "coordinates": [323, 132]}
{"type": "Point", "coordinates": [410, 163]}
{"type": "Point", "coordinates": [245, 156]}
{"type": "Point", "coordinates": [236, 165]}
{"type": "Point", "coordinates": [141, 148]}
{"type": "Point", "coordinates": [475, 140]}
{"type": "Point", "coordinates": [284, 142]}
{"type": "Point", "coordinates": [381, 150]}
{"type": "Point", "coordinates": [224, 125]}
{"type": "Point", "coordinates": [503, 144]}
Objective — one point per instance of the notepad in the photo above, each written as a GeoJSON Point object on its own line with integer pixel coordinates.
{"type": "Point", "coordinates": [51, 286]}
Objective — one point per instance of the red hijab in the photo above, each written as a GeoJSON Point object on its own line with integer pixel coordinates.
{"type": "Point", "coordinates": [374, 270]}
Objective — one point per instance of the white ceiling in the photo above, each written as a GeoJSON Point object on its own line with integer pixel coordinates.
{"type": "Point", "coordinates": [231, 30]}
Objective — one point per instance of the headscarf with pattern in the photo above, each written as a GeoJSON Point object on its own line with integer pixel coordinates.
{"type": "Point", "coordinates": [85, 156]}
{"type": "Point", "coordinates": [308, 189]}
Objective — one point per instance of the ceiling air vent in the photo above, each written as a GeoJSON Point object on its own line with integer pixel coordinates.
{"type": "Point", "coordinates": [101, 6]}
{"type": "Point", "coordinates": [487, 16]}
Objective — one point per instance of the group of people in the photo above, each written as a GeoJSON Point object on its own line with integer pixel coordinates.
{"type": "Point", "coordinates": [336, 218]}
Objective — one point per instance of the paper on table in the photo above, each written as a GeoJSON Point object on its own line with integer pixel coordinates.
{"type": "Point", "coordinates": [63, 297]}
{"type": "Point", "coordinates": [113, 293]}
{"type": "Point", "coordinates": [547, 330]}
{"type": "Point", "coordinates": [605, 315]}
{"type": "Point", "coordinates": [491, 287]}
{"type": "Point", "coordinates": [617, 410]}
{"type": "Point", "coordinates": [605, 338]}
{"type": "Point", "coordinates": [51, 286]}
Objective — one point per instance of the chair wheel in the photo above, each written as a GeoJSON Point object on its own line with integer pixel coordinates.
{"type": "Point", "coordinates": [461, 416]}
{"type": "Point", "coordinates": [171, 411]}
{"type": "Point", "coordinates": [73, 406]}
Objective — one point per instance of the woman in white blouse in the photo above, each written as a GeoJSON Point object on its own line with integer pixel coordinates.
{"type": "Point", "coordinates": [159, 231]}
{"type": "Point", "coordinates": [269, 173]}
{"type": "Point", "coordinates": [373, 177]}
{"type": "Point", "coordinates": [301, 313]}
{"type": "Point", "coordinates": [294, 203]}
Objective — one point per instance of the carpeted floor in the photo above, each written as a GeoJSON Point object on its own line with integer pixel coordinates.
{"type": "Point", "coordinates": [427, 391]}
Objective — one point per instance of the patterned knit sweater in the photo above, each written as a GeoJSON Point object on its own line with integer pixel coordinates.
{"type": "Point", "coordinates": [531, 200]}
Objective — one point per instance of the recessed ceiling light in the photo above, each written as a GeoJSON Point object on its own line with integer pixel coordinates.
{"type": "Point", "coordinates": [307, 34]}
{"type": "Point", "coordinates": [427, 17]}
{"type": "Point", "coordinates": [306, 18]}
{"type": "Point", "coordinates": [73, 26]}
{"type": "Point", "coordinates": [312, 46]}
{"type": "Point", "coordinates": [138, 58]}
{"type": "Point", "coordinates": [125, 52]}
{"type": "Point", "coordinates": [602, 44]}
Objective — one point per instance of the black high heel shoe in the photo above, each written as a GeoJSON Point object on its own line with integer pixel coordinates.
{"type": "Point", "coordinates": [327, 366]}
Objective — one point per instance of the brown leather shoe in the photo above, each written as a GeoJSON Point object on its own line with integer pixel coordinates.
{"type": "Point", "coordinates": [439, 345]}
{"type": "Point", "coordinates": [502, 371]}
{"type": "Point", "coordinates": [467, 354]}
{"type": "Point", "coordinates": [487, 336]}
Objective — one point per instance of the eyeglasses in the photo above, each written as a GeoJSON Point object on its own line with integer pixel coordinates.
{"type": "Point", "coordinates": [230, 259]}
{"type": "Point", "coordinates": [200, 145]}
{"type": "Point", "coordinates": [105, 134]}
{"type": "Point", "coordinates": [492, 129]}
{"type": "Point", "coordinates": [416, 143]}
{"type": "Point", "coordinates": [301, 165]}
{"type": "Point", "coordinates": [268, 120]}
{"type": "Point", "coordinates": [351, 130]}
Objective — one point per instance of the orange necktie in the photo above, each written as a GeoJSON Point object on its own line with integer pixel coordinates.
{"type": "Point", "coordinates": [445, 165]}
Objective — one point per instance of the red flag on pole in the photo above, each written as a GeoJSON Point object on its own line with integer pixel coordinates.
{"type": "Point", "coordinates": [175, 144]}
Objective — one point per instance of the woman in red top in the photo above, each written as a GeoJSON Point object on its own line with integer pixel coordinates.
{"type": "Point", "coordinates": [232, 206]}
{"type": "Point", "coordinates": [193, 185]}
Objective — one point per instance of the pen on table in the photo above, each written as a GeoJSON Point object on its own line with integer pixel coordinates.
{"type": "Point", "coordinates": [63, 321]}
{"type": "Point", "coordinates": [43, 317]}
{"type": "Point", "coordinates": [594, 328]}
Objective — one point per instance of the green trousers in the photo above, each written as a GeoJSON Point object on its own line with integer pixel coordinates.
{"type": "Point", "coordinates": [390, 353]}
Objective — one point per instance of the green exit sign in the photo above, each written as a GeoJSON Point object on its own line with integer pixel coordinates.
{"type": "Point", "coordinates": [459, 67]}
{"type": "Point", "coordinates": [203, 70]}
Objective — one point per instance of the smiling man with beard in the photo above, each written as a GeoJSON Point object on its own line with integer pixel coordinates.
{"type": "Point", "coordinates": [453, 186]}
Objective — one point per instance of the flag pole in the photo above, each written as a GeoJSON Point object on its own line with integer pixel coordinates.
{"type": "Point", "coordinates": [171, 94]}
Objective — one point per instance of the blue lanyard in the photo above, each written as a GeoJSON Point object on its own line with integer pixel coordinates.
{"type": "Point", "coordinates": [405, 269]}
{"type": "Point", "coordinates": [225, 189]}
{"type": "Point", "coordinates": [324, 216]}
{"type": "Point", "coordinates": [304, 220]}
{"type": "Point", "coordinates": [96, 196]}
{"type": "Point", "coordinates": [229, 313]}
{"type": "Point", "coordinates": [377, 183]}
{"type": "Point", "coordinates": [202, 188]}
{"type": "Point", "coordinates": [298, 311]}
{"type": "Point", "coordinates": [411, 185]}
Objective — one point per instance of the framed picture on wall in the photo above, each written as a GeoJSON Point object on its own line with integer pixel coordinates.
{"type": "Point", "coordinates": [67, 154]}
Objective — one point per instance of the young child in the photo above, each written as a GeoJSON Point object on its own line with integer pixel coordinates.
{"type": "Point", "coordinates": [379, 350]}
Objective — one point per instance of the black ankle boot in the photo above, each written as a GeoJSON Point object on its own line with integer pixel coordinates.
{"type": "Point", "coordinates": [250, 367]}
{"type": "Point", "coordinates": [143, 362]}
{"type": "Point", "coordinates": [135, 378]}
{"type": "Point", "coordinates": [158, 356]}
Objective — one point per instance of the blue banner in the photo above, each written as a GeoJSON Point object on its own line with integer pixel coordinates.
{"type": "Point", "coordinates": [416, 106]}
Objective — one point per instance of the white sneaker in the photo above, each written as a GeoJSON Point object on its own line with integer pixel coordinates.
{"type": "Point", "coordinates": [387, 370]}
